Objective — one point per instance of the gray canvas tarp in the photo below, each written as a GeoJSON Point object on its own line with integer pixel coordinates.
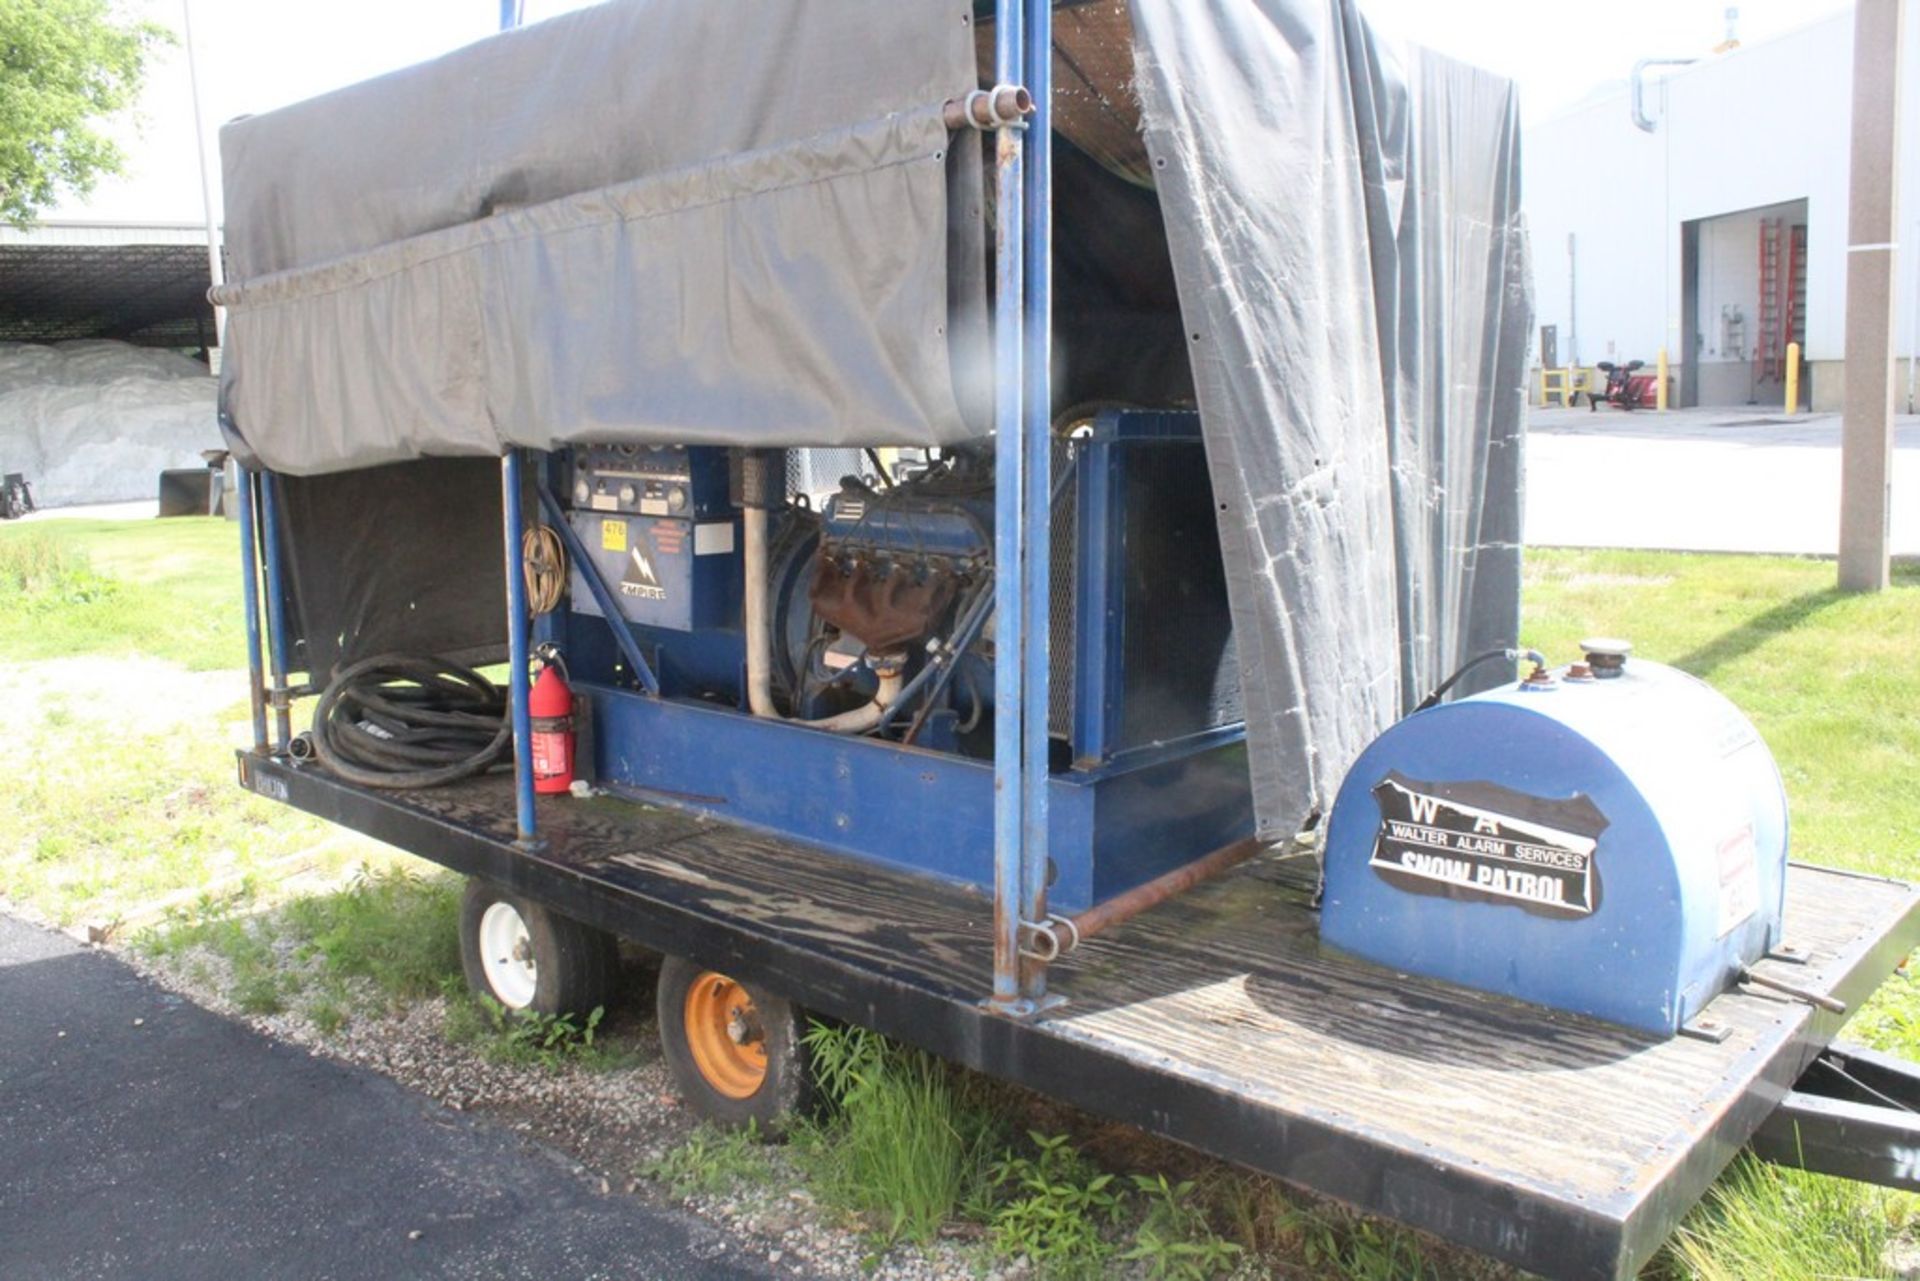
{"type": "Point", "coordinates": [707, 221]}
{"type": "Point", "coordinates": [674, 221]}
{"type": "Point", "coordinates": [1345, 228]}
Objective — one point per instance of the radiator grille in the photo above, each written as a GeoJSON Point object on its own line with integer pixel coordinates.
{"type": "Point", "coordinates": [1060, 629]}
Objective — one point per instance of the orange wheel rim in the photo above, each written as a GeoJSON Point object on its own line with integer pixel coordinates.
{"type": "Point", "coordinates": [725, 1036]}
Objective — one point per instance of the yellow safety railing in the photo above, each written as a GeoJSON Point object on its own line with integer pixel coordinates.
{"type": "Point", "coordinates": [1565, 383]}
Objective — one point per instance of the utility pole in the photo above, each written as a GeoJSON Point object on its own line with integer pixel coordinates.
{"type": "Point", "coordinates": [216, 271]}
{"type": "Point", "coordinates": [1866, 422]}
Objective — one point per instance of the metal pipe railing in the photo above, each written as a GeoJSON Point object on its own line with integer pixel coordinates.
{"type": "Point", "coordinates": [279, 643]}
{"type": "Point", "coordinates": [250, 602]}
{"type": "Point", "coordinates": [518, 656]}
{"type": "Point", "coordinates": [1008, 525]}
{"type": "Point", "coordinates": [1059, 935]}
{"type": "Point", "coordinates": [1036, 561]}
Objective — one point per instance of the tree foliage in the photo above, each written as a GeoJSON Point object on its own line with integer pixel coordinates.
{"type": "Point", "coordinates": [66, 67]}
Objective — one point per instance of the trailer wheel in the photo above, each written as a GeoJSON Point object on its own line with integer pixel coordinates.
{"type": "Point", "coordinates": [733, 1048]}
{"type": "Point", "coordinates": [530, 959]}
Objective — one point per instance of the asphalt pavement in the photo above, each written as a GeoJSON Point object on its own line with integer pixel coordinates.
{"type": "Point", "coordinates": [142, 1136]}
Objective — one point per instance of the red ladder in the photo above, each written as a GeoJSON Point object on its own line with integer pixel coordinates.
{"type": "Point", "coordinates": [1770, 344]}
{"type": "Point", "coordinates": [1797, 287]}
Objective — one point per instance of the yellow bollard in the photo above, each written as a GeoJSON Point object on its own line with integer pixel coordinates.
{"type": "Point", "coordinates": [1660, 381]}
{"type": "Point", "coordinates": [1793, 377]}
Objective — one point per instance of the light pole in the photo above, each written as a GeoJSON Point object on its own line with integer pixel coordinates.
{"type": "Point", "coordinates": [1866, 420]}
{"type": "Point", "coordinates": [216, 271]}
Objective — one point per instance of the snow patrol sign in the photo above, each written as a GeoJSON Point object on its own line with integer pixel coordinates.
{"type": "Point", "coordinates": [1485, 842]}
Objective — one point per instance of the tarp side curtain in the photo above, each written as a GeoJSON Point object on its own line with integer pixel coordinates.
{"type": "Point", "coordinates": [1351, 265]}
{"type": "Point", "coordinates": [398, 559]}
{"type": "Point", "coordinates": [759, 237]}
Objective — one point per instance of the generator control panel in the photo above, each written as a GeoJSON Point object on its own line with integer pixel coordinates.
{"type": "Point", "coordinates": [659, 526]}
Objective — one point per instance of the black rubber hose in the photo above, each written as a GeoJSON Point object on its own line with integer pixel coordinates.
{"type": "Point", "coordinates": [403, 721]}
{"type": "Point", "coordinates": [1510, 654]}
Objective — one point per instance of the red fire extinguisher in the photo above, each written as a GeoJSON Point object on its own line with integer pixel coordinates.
{"type": "Point", "coordinates": [550, 704]}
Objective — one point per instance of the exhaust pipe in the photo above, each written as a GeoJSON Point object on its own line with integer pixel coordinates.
{"type": "Point", "coordinates": [1641, 120]}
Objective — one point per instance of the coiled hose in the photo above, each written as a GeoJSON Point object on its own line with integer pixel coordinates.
{"type": "Point", "coordinates": [403, 721]}
{"type": "Point", "coordinates": [546, 561]}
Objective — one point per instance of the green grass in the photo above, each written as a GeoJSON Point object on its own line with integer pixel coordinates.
{"type": "Point", "coordinates": [388, 937]}
{"type": "Point", "coordinates": [166, 589]}
{"type": "Point", "coordinates": [713, 1161]}
{"type": "Point", "coordinates": [1786, 1225]}
{"type": "Point", "coordinates": [397, 931]}
{"type": "Point", "coordinates": [96, 825]}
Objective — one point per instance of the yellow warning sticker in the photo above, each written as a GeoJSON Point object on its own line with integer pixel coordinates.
{"type": "Point", "coordinates": [613, 535]}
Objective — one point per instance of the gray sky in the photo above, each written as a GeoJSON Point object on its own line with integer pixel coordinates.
{"type": "Point", "coordinates": [259, 54]}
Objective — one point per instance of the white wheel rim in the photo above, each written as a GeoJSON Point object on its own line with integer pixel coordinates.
{"type": "Point", "coordinates": [506, 956]}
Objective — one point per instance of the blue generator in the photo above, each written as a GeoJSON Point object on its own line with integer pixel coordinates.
{"type": "Point", "coordinates": [802, 641]}
{"type": "Point", "coordinates": [1608, 839]}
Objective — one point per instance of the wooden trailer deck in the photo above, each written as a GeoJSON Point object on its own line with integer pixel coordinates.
{"type": "Point", "coordinates": [1565, 1146]}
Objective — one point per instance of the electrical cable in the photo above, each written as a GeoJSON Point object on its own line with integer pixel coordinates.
{"type": "Point", "coordinates": [1511, 655]}
{"type": "Point", "coordinates": [406, 721]}
{"type": "Point", "coordinates": [546, 560]}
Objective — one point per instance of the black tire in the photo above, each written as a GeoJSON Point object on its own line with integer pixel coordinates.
{"type": "Point", "coordinates": [572, 965]}
{"type": "Point", "coordinates": [783, 1090]}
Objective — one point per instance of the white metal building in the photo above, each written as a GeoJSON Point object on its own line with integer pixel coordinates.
{"type": "Point", "coordinates": [1721, 234]}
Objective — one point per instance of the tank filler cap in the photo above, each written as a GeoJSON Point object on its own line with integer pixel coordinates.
{"type": "Point", "coordinates": [1606, 655]}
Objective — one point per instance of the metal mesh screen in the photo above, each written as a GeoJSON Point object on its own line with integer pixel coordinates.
{"type": "Point", "coordinates": [1060, 627]}
{"type": "Point", "coordinates": [817, 472]}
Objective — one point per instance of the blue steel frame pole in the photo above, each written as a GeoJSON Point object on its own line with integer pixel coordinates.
{"type": "Point", "coordinates": [513, 519]}
{"type": "Point", "coordinates": [271, 544]}
{"type": "Point", "coordinates": [1008, 527]}
{"type": "Point", "coordinates": [250, 601]}
{"type": "Point", "coordinates": [1036, 562]}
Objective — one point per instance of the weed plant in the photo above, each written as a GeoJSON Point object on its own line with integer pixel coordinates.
{"type": "Point", "coordinates": [713, 1161]}
{"type": "Point", "coordinates": [895, 1147]}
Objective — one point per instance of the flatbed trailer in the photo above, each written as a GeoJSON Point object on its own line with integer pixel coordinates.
{"type": "Point", "coordinates": [1560, 1144]}
{"type": "Point", "coordinates": [1218, 1018]}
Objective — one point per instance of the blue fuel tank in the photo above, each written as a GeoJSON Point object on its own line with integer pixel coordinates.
{"type": "Point", "coordinates": [1615, 847]}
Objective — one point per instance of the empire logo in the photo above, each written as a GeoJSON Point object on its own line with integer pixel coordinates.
{"type": "Point", "coordinates": [640, 580]}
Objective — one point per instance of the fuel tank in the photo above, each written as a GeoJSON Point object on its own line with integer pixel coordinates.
{"type": "Point", "coordinates": [1611, 840]}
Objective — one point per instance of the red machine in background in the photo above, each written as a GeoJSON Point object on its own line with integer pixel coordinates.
{"type": "Point", "coordinates": [1626, 386]}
